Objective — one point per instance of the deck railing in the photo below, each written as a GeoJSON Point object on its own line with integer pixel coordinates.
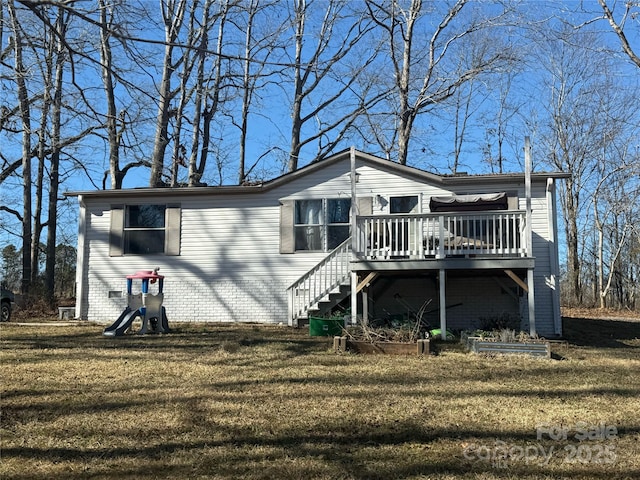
{"type": "Point", "coordinates": [410, 236]}
{"type": "Point", "coordinates": [433, 235]}
{"type": "Point", "coordinates": [322, 279]}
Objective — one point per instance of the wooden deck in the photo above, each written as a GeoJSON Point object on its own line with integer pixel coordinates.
{"type": "Point", "coordinates": [412, 243]}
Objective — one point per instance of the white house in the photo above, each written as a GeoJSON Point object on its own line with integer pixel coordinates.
{"type": "Point", "coordinates": [294, 246]}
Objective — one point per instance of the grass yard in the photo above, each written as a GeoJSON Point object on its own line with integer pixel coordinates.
{"type": "Point", "coordinates": [216, 401]}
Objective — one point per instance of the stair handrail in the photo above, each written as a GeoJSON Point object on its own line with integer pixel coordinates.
{"type": "Point", "coordinates": [327, 275]}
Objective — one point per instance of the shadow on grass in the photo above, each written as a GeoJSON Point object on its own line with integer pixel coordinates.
{"type": "Point", "coordinates": [586, 332]}
{"type": "Point", "coordinates": [601, 333]}
{"type": "Point", "coordinates": [347, 451]}
{"type": "Point", "coordinates": [369, 447]}
{"type": "Point", "coordinates": [183, 337]}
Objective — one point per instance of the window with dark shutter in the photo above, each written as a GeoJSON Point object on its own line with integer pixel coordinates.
{"type": "Point", "coordinates": [145, 229]}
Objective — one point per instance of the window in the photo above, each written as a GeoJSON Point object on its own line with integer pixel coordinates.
{"type": "Point", "coordinates": [146, 229]}
{"type": "Point", "coordinates": [407, 204]}
{"type": "Point", "coordinates": [321, 224]}
{"type": "Point", "coordinates": [337, 221]}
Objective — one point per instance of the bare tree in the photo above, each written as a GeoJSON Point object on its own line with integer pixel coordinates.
{"type": "Point", "coordinates": [630, 14]}
{"type": "Point", "coordinates": [196, 169]}
{"type": "Point", "coordinates": [59, 56]}
{"type": "Point", "coordinates": [173, 12]}
{"type": "Point", "coordinates": [464, 108]}
{"type": "Point", "coordinates": [259, 45]}
{"type": "Point", "coordinates": [428, 76]}
{"type": "Point", "coordinates": [186, 92]}
{"type": "Point", "coordinates": [583, 115]}
{"type": "Point", "coordinates": [114, 121]}
{"type": "Point", "coordinates": [25, 117]}
{"type": "Point", "coordinates": [501, 122]}
{"type": "Point", "coordinates": [41, 50]}
{"type": "Point", "coordinates": [574, 141]}
{"type": "Point", "coordinates": [208, 89]}
{"type": "Point", "coordinates": [319, 67]}
{"type": "Point", "coordinates": [616, 199]}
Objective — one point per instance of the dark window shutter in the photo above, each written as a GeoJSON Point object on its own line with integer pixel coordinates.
{"type": "Point", "coordinates": [116, 231]}
{"type": "Point", "coordinates": [172, 230]}
{"type": "Point", "coordinates": [287, 238]}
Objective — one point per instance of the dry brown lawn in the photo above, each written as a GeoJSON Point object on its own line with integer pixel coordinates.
{"type": "Point", "coordinates": [213, 401]}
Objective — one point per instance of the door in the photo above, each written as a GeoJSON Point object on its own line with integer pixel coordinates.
{"type": "Point", "coordinates": [404, 234]}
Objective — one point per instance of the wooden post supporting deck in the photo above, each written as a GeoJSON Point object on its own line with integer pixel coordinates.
{"type": "Point", "coordinates": [532, 303]}
{"type": "Point", "coordinates": [443, 304]}
{"type": "Point", "coordinates": [365, 305]}
{"type": "Point", "coordinates": [354, 298]}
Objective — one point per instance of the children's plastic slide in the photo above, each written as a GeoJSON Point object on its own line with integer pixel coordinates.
{"type": "Point", "coordinates": [123, 323]}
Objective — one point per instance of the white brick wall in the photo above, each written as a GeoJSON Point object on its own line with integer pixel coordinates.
{"type": "Point", "coordinates": [200, 301]}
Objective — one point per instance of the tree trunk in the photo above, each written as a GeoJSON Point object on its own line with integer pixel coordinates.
{"type": "Point", "coordinates": [571, 233]}
{"type": "Point", "coordinates": [197, 167]}
{"type": "Point", "coordinates": [296, 120]}
{"type": "Point", "coordinates": [246, 92]}
{"type": "Point", "coordinates": [106, 64]}
{"type": "Point", "coordinates": [161, 139]}
{"type": "Point", "coordinates": [25, 117]}
{"type": "Point", "coordinates": [54, 183]}
{"type": "Point", "coordinates": [173, 15]}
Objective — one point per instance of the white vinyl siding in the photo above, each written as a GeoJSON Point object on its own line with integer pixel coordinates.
{"type": "Point", "coordinates": [228, 264]}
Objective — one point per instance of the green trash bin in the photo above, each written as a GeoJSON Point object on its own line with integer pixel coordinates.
{"type": "Point", "coordinates": [325, 327]}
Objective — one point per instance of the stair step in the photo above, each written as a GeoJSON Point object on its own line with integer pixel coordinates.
{"type": "Point", "coordinates": [339, 276]}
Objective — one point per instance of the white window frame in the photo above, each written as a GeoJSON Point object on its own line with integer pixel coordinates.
{"type": "Point", "coordinates": [324, 224]}
{"type": "Point", "coordinates": [151, 231]}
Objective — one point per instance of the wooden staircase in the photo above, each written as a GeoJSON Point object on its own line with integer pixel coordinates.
{"type": "Point", "coordinates": [323, 287]}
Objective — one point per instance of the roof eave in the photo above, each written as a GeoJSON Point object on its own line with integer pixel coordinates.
{"type": "Point", "coordinates": [384, 164]}
{"type": "Point", "coordinates": [167, 191]}
{"type": "Point", "coordinates": [501, 177]}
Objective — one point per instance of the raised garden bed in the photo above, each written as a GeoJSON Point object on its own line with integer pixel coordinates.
{"type": "Point", "coordinates": [538, 348]}
{"type": "Point", "coordinates": [344, 344]}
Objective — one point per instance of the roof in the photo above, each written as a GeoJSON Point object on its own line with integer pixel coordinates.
{"type": "Point", "coordinates": [380, 163]}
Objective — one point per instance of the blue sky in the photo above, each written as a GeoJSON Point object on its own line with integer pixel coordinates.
{"type": "Point", "coordinates": [270, 123]}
